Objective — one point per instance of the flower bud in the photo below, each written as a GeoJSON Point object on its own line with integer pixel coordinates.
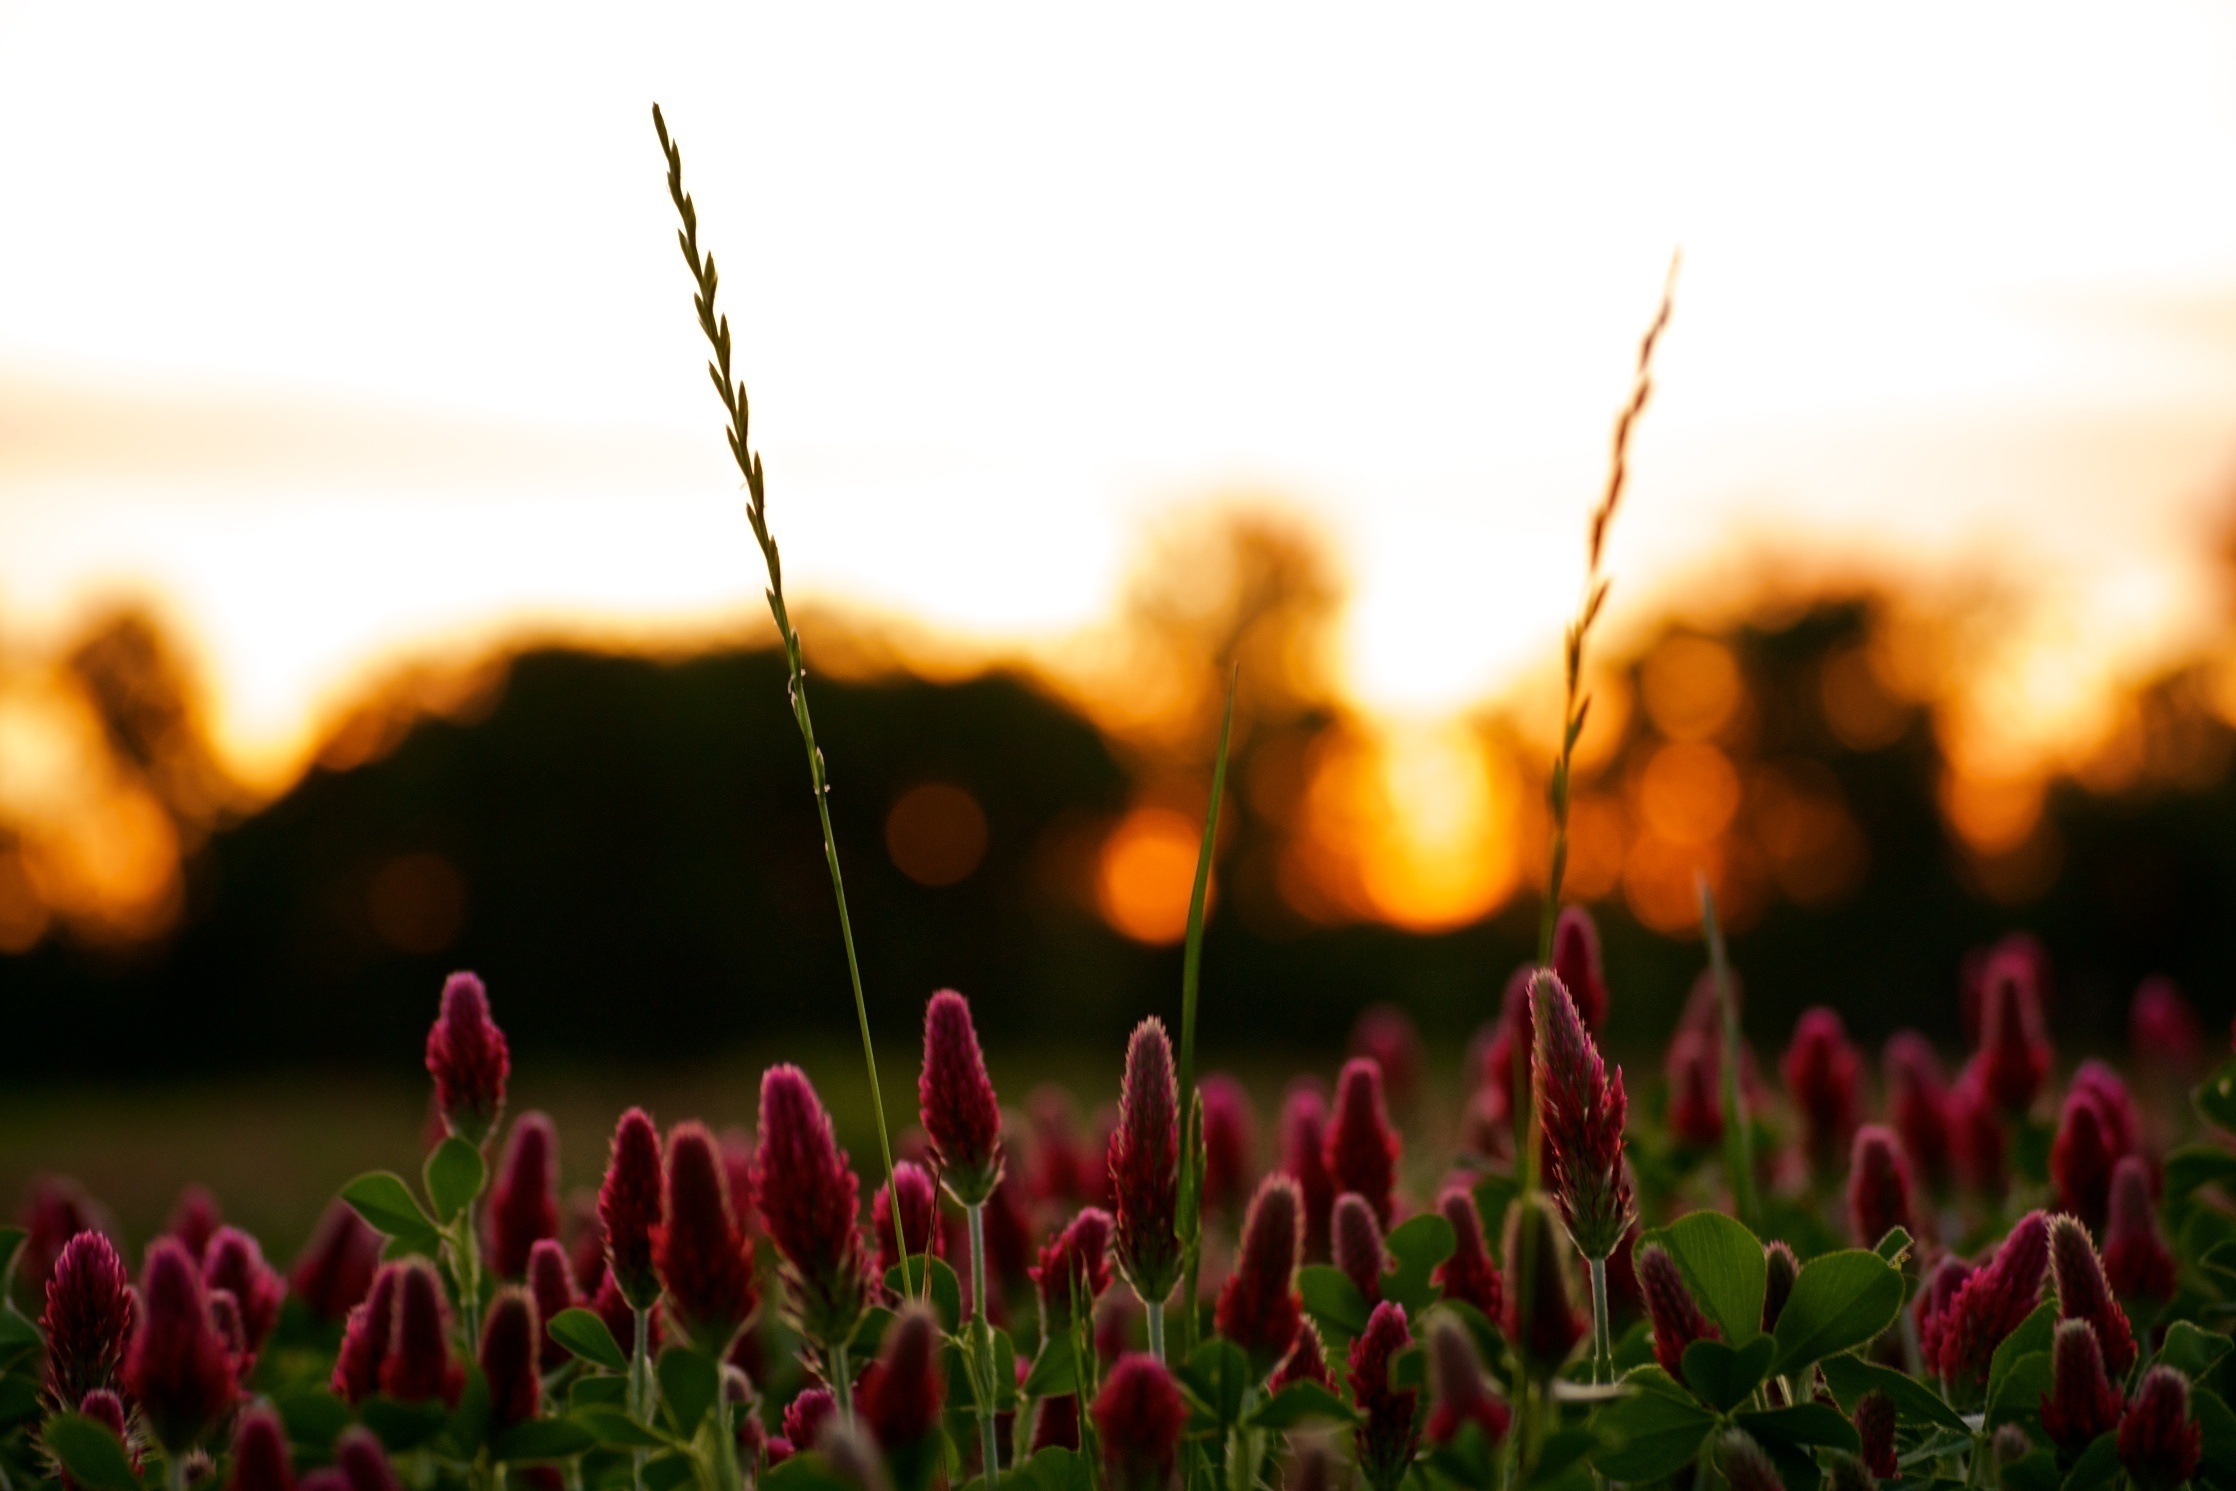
{"type": "Point", "coordinates": [1139, 1417]}
{"type": "Point", "coordinates": [902, 1395]}
{"type": "Point", "coordinates": [1462, 1395]}
{"type": "Point", "coordinates": [365, 1338]}
{"type": "Point", "coordinates": [417, 1367]}
{"type": "Point", "coordinates": [177, 1371]}
{"type": "Point", "coordinates": [1745, 1466]}
{"type": "Point", "coordinates": [1304, 1138]}
{"type": "Point", "coordinates": [1878, 1187]}
{"type": "Point", "coordinates": [1385, 1035]}
{"type": "Point", "coordinates": [1468, 1275]}
{"type": "Point", "coordinates": [919, 1216]}
{"type": "Point", "coordinates": [1258, 1306]}
{"type": "Point", "coordinates": [2137, 1263]}
{"type": "Point", "coordinates": [1583, 1107]}
{"type": "Point", "coordinates": [2009, 1445]}
{"type": "Point", "coordinates": [2162, 1029]}
{"type": "Point", "coordinates": [1362, 1148]}
{"type": "Point", "coordinates": [336, 1266]}
{"type": "Point", "coordinates": [1874, 1421]}
{"type": "Point", "coordinates": [195, 1220]}
{"type": "Point", "coordinates": [1936, 1304]}
{"type": "Point", "coordinates": [1307, 1360]}
{"type": "Point", "coordinates": [1823, 1072]}
{"type": "Point", "coordinates": [1694, 1072]}
{"type": "Point", "coordinates": [960, 1114]}
{"type": "Point", "coordinates": [236, 1264]}
{"type": "Point", "coordinates": [806, 1414]}
{"type": "Point", "coordinates": [2159, 1442]}
{"type": "Point", "coordinates": [1978, 1134]}
{"type": "Point", "coordinates": [524, 1204]}
{"type": "Point", "coordinates": [1780, 1270]}
{"type": "Point", "coordinates": [1358, 1245]}
{"type": "Point", "coordinates": [1576, 964]}
{"type": "Point", "coordinates": [466, 1056]}
{"type": "Point", "coordinates": [508, 1359]}
{"type": "Point", "coordinates": [1676, 1316]}
{"type": "Point", "coordinates": [2081, 1402]}
{"type": "Point", "coordinates": [1145, 1165]}
{"type": "Point", "coordinates": [704, 1261]}
{"type": "Point", "coordinates": [1384, 1438]}
{"type": "Point", "coordinates": [2084, 1294]}
{"type": "Point", "coordinates": [810, 1200]}
{"type": "Point", "coordinates": [1993, 1302]}
{"type": "Point", "coordinates": [260, 1458]}
{"type": "Point", "coordinates": [551, 1284]}
{"type": "Point", "coordinates": [2081, 1158]}
{"type": "Point", "coordinates": [629, 1208]}
{"type": "Point", "coordinates": [2014, 1050]}
{"type": "Point", "coordinates": [1509, 1059]}
{"type": "Point", "coordinates": [1230, 1145]}
{"type": "Point", "coordinates": [1544, 1327]}
{"type": "Point", "coordinates": [88, 1318]}
{"type": "Point", "coordinates": [1074, 1268]}
{"type": "Point", "coordinates": [359, 1456]}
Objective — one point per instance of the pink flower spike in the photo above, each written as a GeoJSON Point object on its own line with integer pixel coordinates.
{"type": "Point", "coordinates": [1463, 1397]}
{"type": "Point", "coordinates": [1978, 1132]}
{"type": "Point", "coordinates": [1304, 1138]}
{"type": "Point", "coordinates": [1307, 1360]}
{"type": "Point", "coordinates": [1676, 1316]}
{"type": "Point", "coordinates": [704, 1261]}
{"type": "Point", "coordinates": [2137, 1263]}
{"type": "Point", "coordinates": [2159, 1442]}
{"type": "Point", "coordinates": [1056, 1426]}
{"type": "Point", "coordinates": [1075, 1265]}
{"type": "Point", "coordinates": [1258, 1307]}
{"type": "Point", "coordinates": [901, 1396]}
{"type": "Point", "coordinates": [1145, 1165]}
{"type": "Point", "coordinates": [1385, 1437]}
{"type": "Point", "coordinates": [1874, 1421]}
{"type": "Point", "coordinates": [1139, 1418]}
{"type": "Point", "coordinates": [2162, 1029]}
{"type": "Point", "coordinates": [1694, 1072]}
{"type": "Point", "coordinates": [195, 1220]}
{"type": "Point", "coordinates": [466, 1056]}
{"type": "Point", "coordinates": [418, 1367]}
{"type": "Point", "coordinates": [1358, 1245]}
{"type": "Point", "coordinates": [59, 1209]}
{"type": "Point", "coordinates": [235, 1263]}
{"type": "Point", "coordinates": [1362, 1148]}
{"type": "Point", "coordinates": [1823, 1072]}
{"type": "Point", "coordinates": [919, 1216]}
{"type": "Point", "coordinates": [960, 1114]}
{"type": "Point", "coordinates": [1994, 1302]}
{"type": "Point", "coordinates": [509, 1354]}
{"type": "Point", "coordinates": [2015, 1052]}
{"type": "Point", "coordinates": [1468, 1275]}
{"type": "Point", "coordinates": [336, 1266]}
{"type": "Point", "coordinates": [2081, 1402]}
{"type": "Point", "coordinates": [260, 1458]}
{"type": "Point", "coordinates": [524, 1203]}
{"type": "Point", "coordinates": [2084, 1294]}
{"type": "Point", "coordinates": [1230, 1143]}
{"type": "Point", "coordinates": [1386, 1035]}
{"type": "Point", "coordinates": [1918, 1106]}
{"type": "Point", "coordinates": [88, 1319]}
{"type": "Point", "coordinates": [1878, 1187]}
{"type": "Point", "coordinates": [806, 1414]}
{"type": "Point", "coordinates": [1576, 963]}
{"type": "Point", "coordinates": [365, 1338]}
{"type": "Point", "coordinates": [629, 1207]}
{"type": "Point", "coordinates": [1544, 1327]}
{"type": "Point", "coordinates": [363, 1461]}
{"type": "Point", "coordinates": [551, 1284]}
{"type": "Point", "coordinates": [810, 1201]}
{"type": "Point", "coordinates": [1584, 1108]}
{"type": "Point", "coordinates": [178, 1371]}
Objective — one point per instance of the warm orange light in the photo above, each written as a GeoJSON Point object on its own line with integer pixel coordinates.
{"type": "Point", "coordinates": [1147, 873]}
{"type": "Point", "coordinates": [936, 834]}
{"type": "Point", "coordinates": [1692, 687]}
{"type": "Point", "coordinates": [1689, 792]}
{"type": "Point", "coordinates": [1993, 814]}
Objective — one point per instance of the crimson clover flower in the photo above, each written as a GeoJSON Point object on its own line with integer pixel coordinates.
{"type": "Point", "coordinates": [509, 1353]}
{"type": "Point", "coordinates": [466, 1056]}
{"type": "Point", "coordinates": [2137, 1262]}
{"type": "Point", "coordinates": [2083, 1293]}
{"type": "Point", "coordinates": [524, 1202]}
{"type": "Point", "coordinates": [629, 1208]}
{"type": "Point", "coordinates": [1583, 1107]}
{"type": "Point", "coordinates": [1462, 1394]}
{"type": "Point", "coordinates": [1823, 1072]}
{"type": "Point", "coordinates": [2159, 1442]}
{"type": "Point", "coordinates": [1676, 1316]}
{"type": "Point", "coordinates": [1258, 1308]}
{"type": "Point", "coordinates": [1878, 1186]}
{"type": "Point", "coordinates": [1304, 1139]}
{"type": "Point", "coordinates": [703, 1258]}
{"type": "Point", "coordinates": [810, 1201]}
{"type": "Point", "coordinates": [1139, 1417]}
{"type": "Point", "coordinates": [88, 1319]}
{"type": "Point", "coordinates": [178, 1369]}
{"type": "Point", "coordinates": [1145, 1165]}
{"type": "Point", "coordinates": [1468, 1275]}
{"type": "Point", "coordinates": [1362, 1148]}
{"type": "Point", "coordinates": [2082, 1402]}
{"type": "Point", "coordinates": [1385, 1436]}
{"type": "Point", "coordinates": [961, 1117]}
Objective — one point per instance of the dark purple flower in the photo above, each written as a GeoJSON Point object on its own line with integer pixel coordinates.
{"type": "Point", "coordinates": [2082, 1402]}
{"type": "Point", "coordinates": [806, 1414]}
{"type": "Point", "coordinates": [1385, 1437]}
{"type": "Point", "coordinates": [336, 1266]}
{"type": "Point", "coordinates": [551, 1284]}
{"type": "Point", "coordinates": [260, 1458]}
{"type": "Point", "coordinates": [1823, 1073]}
{"type": "Point", "coordinates": [1463, 1396]}
{"type": "Point", "coordinates": [178, 1370]}
{"type": "Point", "coordinates": [1145, 1165]}
{"type": "Point", "coordinates": [1362, 1148]}
{"type": "Point", "coordinates": [1694, 1072]}
{"type": "Point", "coordinates": [1878, 1187]}
{"type": "Point", "coordinates": [2137, 1263]}
{"type": "Point", "coordinates": [524, 1203]}
{"type": "Point", "coordinates": [2084, 1294]}
{"type": "Point", "coordinates": [365, 1338]}
{"type": "Point", "coordinates": [1576, 964]}
{"type": "Point", "coordinates": [1544, 1325]}
{"type": "Point", "coordinates": [919, 1216]}
{"type": "Point", "coordinates": [2082, 1156]}
{"type": "Point", "coordinates": [236, 1264]}
{"type": "Point", "coordinates": [508, 1359]}
{"type": "Point", "coordinates": [1139, 1417]}
{"type": "Point", "coordinates": [961, 1117]}
{"type": "Point", "coordinates": [1468, 1275]}
{"type": "Point", "coordinates": [1993, 1302]}
{"type": "Point", "coordinates": [810, 1202]}
{"type": "Point", "coordinates": [1358, 1245]}
{"type": "Point", "coordinates": [903, 1392]}
{"type": "Point", "coordinates": [1780, 1272]}
{"type": "Point", "coordinates": [629, 1207]}
{"type": "Point", "coordinates": [1304, 1138]}
{"type": "Point", "coordinates": [1918, 1106]}
{"type": "Point", "coordinates": [1583, 1107]}
{"type": "Point", "coordinates": [466, 1056]}
{"type": "Point", "coordinates": [701, 1256]}
{"type": "Point", "coordinates": [2159, 1442]}
{"type": "Point", "coordinates": [1074, 1266]}
{"type": "Point", "coordinates": [418, 1366]}
{"type": "Point", "coordinates": [1056, 1426]}
{"type": "Point", "coordinates": [1307, 1360]}
{"type": "Point", "coordinates": [1258, 1307]}
{"type": "Point", "coordinates": [1230, 1145]}
{"type": "Point", "coordinates": [2014, 1050]}
{"type": "Point", "coordinates": [88, 1318]}
{"type": "Point", "coordinates": [1874, 1420]}
{"type": "Point", "coordinates": [1676, 1316]}
{"type": "Point", "coordinates": [59, 1209]}
{"type": "Point", "coordinates": [360, 1457]}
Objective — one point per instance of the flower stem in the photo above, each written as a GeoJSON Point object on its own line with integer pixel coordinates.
{"type": "Point", "coordinates": [1156, 1311]}
{"type": "Point", "coordinates": [842, 1384]}
{"type": "Point", "coordinates": [640, 1382]}
{"type": "Point", "coordinates": [982, 1343]}
{"type": "Point", "coordinates": [1603, 1349]}
{"type": "Point", "coordinates": [717, 332]}
{"type": "Point", "coordinates": [469, 1276]}
{"type": "Point", "coordinates": [174, 1472]}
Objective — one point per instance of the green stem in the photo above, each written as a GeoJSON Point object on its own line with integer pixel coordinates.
{"type": "Point", "coordinates": [842, 1384]}
{"type": "Point", "coordinates": [982, 1344]}
{"type": "Point", "coordinates": [174, 1472]}
{"type": "Point", "coordinates": [1156, 1311]}
{"type": "Point", "coordinates": [640, 1382]}
{"type": "Point", "coordinates": [1191, 980]}
{"type": "Point", "coordinates": [1603, 1348]}
{"type": "Point", "coordinates": [717, 332]}
{"type": "Point", "coordinates": [469, 1282]}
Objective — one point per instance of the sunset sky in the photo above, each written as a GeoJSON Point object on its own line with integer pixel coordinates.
{"type": "Point", "coordinates": [351, 335]}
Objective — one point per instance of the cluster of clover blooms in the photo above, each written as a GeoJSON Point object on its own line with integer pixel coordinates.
{"type": "Point", "coordinates": [558, 1343]}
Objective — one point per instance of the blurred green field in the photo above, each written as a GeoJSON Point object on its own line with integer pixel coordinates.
{"type": "Point", "coordinates": [276, 1149]}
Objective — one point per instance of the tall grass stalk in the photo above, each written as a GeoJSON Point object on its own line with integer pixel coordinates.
{"type": "Point", "coordinates": [1191, 978]}
{"type": "Point", "coordinates": [734, 403]}
{"type": "Point", "coordinates": [1739, 1137]}
{"type": "Point", "coordinates": [1575, 709]}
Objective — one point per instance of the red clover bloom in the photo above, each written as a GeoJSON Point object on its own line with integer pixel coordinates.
{"type": "Point", "coordinates": [2082, 1402]}
{"type": "Point", "coordinates": [1878, 1187]}
{"type": "Point", "coordinates": [88, 1319]}
{"type": "Point", "coordinates": [2084, 1294]}
{"type": "Point", "coordinates": [524, 1203]}
{"type": "Point", "coordinates": [1362, 1148]}
{"type": "Point", "coordinates": [957, 1102]}
{"type": "Point", "coordinates": [508, 1359]}
{"type": "Point", "coordinates": [1258, 1307]}
{"type": "Point", "coordinates": [1993, 1302]}
{"type": "Point", "coordinates": [919, 1216]}
{"type": "Point", "coordinates": [551, 1285]}
{"type": "Point", "coordinates": [466, 1056]}
{"type": "Point", "coordinates": [418, 1367]}
{"type": "Point", "coordinates": [1385, 1436]}
{"type": "Point", "coordinates": [1676, 1317]}
{"type": "Point", "coordinates": [365, 1338]}
{"type": "Point", "coordinates": [2159, 1442]}
{"type": "Point", "coordinates": [236, 1264]}
{"type": "Point", "coordinates": [1358, 1245]}
{"type": "Point", "coordinates": [810, 1200]}
{"type": "Point", "coordinates": [1304, 1138]}
{"type": "Point", "coordinates": [1468, 1275]}
{"type": "Point", "coordinates": [1074, 1265]}
{"type": "Point", "coordinates": [1139, 1418]}
{"type": "Point", "coordinates": [1145, 1165]}
{"type": "Point", "coordinates": [629, 1208]}
{"type": "Point", "coordinates": [178, 1370]}
{"type": "Point", "coordinates": [703, 1258]}
{"type": "Point", "coordinates": [1583, 1106]}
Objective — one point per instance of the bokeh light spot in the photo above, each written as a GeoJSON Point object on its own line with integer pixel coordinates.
{"type": "Point", "coordinates": [936, 834]}
{"type": "Point", "coordinates": [1692, 687]}
{"type": "Point", "coordinates": [1146, 874]}
{"type": "Point", "coordinates": [1689, 792]}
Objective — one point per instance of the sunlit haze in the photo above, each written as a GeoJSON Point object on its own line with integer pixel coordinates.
{"type": "Point", "coordinates": [351, 336]}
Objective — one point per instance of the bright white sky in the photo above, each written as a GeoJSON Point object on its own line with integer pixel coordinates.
{"type": "Point", "coordinates": [353, 332]}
